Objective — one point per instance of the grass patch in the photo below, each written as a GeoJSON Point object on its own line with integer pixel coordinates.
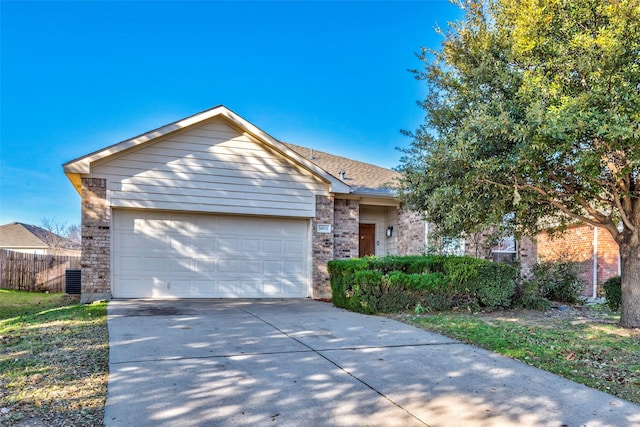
{"type": "Point", "coordinates": [54, 361]}
{"type": "Point", "coordinates": [16, 303]}
{"type": "Point", "coordinates": [596, 353]}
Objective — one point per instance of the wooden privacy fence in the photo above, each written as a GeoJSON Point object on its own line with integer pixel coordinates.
{"type": "Point", "coordinates": [35, 273]}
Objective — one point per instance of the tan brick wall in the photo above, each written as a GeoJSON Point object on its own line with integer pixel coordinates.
{"type": "Point", "coordinates": [96, 241]}
{"type": "Point", "coordinates": [527, 255]}
{"type": "Point", "coordinates": [411, 228]}
{"type": "Point", "coordinates": [346, 229]}
{"type": "Point", "coordinates": [322, 247]}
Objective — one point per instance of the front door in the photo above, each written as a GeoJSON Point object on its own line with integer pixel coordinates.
{"type": "Point", "coordinates": [367, 240]}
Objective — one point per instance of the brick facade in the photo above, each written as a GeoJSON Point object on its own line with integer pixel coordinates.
{"type": "Point", "coordinates": [322, 247]}
{"type": "Point", "coordinates": [346, 229]}
{"type": "Point", "coordinates": [577, 244]}
{"type": "Point", "coordinates": [411, 229]}
{"type": "Point", "coordinates": [96, 241]}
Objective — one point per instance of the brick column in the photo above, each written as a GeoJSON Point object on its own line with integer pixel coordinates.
{"type": "Point", "coordinates": [410, 233]}
{"type": "Point", "coordinates": [527, 255]}
{"type": "Point", "coordinates": [96, 241]}
{"type": "Point", "coordinates": [322, 247]}
{"type": "Point", "coordinates": [347, 229]}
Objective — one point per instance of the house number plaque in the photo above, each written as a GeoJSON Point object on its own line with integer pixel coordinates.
{"type": "Point", "coordinates": [323, 228]}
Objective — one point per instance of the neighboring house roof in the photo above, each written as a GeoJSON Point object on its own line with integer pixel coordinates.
{"type": "Point", "coordinates": [363, 178]}
{"type": "Point", "coordinates": [19, 235]}
{"type": "Point", "coordinates": [75, 168]}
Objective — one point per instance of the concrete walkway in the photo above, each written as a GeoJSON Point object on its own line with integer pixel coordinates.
{"type": "Point", "coordinates": [307, 363]}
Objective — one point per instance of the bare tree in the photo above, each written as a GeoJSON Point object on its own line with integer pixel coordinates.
{"type": "Point", "coordinates": [58, 235]}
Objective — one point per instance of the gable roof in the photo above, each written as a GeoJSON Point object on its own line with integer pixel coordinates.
{"type": "Point", "coordinates": [19, 235]}
{"type": "Point", "coordinates": [74, 169]}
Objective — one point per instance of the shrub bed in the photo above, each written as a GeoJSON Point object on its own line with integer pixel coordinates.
{"type": "Point", "coordinates": [434, 283]}
{"type": "Point", "coordinates": [613, 292]}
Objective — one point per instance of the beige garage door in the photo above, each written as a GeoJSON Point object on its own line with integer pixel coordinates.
{"type": "Point", "coordinates": [169, 255]}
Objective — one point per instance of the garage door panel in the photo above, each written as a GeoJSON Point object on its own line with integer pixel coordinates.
{"type": "Point", "coordinates": [229, 245]}
{"type": "Point", "coordinates": [273, 267]}
{"type": "Point", "coordinates": [293, 267]}
{"type": "Point", "coordinates": [133, 240]}
{"type": "Point", "coordinates": [204, 288]}
{"type": "Point", "coordinates": [205, 266]}
{"type": "Point", "coordinates": [162, 255]}
{"type": "Point", "coordinates": [179, 288]}
{"type": "Point", "coordinates": [272, 247]}
{"type": "Point", "coordinates": [293, 247]}
{"type": "Point", "coordinates": [206, 244]}
{"type": "Point", "coordinates": [151, 287]}
{"type": "Point", "coordinates": [181, 243]}
{"type": "Point", "coordinates": [251, 267]}
{"type": "Point", "coordinates": [228, 266]}
{"type": "Point", "coordinates": [228, 225]}
{"type": "Point", "coordinates": [181, 265]}
{"type": "Point", "coordinates": [156, 242]}
{"type": "Point", "coordinates": [228, 288]}
{"type": "Point", "coordinates": [250, 246]}
{"type": "Point", "coordinates": [288, 287]}
{"type": "Point", "coordinates": [153, 265]}
{"type": "Point", "coordinates": [157, 225]}
{"type": "Point", "coordinates": [251, 288]}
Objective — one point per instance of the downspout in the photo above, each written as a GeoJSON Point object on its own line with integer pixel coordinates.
{"type": "Point", "coordinates": [426, 237]}
{"type": "Point", "coordinates": [619, 261]}
{"type": "Point", "coordinates": [595, 262]}
{"type": "Point", "coordinates": [620, 228]}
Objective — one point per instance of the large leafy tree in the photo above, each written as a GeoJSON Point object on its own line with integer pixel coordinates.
{"type": "Point", "coordinates": [533, 118]}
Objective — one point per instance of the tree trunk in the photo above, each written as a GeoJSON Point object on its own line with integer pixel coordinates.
{"type": "Point", "coordinates": [630, 275]}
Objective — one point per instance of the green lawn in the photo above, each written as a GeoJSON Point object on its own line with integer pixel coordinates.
{"type": "Point", "coordinates": [53, 359]}
{"type": "Point", "coordinates": [596, 353]}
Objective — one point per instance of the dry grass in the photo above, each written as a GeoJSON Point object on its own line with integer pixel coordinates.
{"type": "Point", "coordinates": [53, 362]}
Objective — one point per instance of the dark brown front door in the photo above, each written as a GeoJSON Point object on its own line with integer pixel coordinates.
{"type": "Point", "coordinates": [367, 240]}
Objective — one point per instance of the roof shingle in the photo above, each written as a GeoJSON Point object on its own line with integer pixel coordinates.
{"type": "Point", "coordinates": [361, 177]}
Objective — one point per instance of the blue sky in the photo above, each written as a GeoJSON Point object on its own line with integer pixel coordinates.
{"type": "Point", "coordinates": [79, 76]}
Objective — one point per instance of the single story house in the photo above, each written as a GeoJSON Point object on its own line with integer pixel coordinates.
{"type": "Point", "coordinates": [26, 238]}
{"type": "Point", "coordinates": [211, 206]}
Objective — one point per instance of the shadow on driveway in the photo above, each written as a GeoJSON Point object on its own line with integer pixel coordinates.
{"type": "Point", "coordinates": [307, 363]}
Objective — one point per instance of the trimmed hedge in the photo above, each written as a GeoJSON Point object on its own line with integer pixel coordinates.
{"type": "Point", "coordinates": [388, 284]}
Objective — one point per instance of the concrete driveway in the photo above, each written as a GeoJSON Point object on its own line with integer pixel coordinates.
{"type": "Point", "coordinates": [307, 363]}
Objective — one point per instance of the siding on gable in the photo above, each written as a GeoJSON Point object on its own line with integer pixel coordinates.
{"type": "Point", "coordinates": [211, 168]}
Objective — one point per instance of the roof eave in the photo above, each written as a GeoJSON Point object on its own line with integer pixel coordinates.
{"type": "Point", "coordinates": [374, 193]}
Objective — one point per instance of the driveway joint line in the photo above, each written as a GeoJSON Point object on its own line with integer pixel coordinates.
{"type": "Point", "coordinates": [369, 386]}
{"type": "Point", "coordinates": [262, 353]}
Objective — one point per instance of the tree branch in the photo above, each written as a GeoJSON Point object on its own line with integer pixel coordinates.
{"type": "Point", "coordinates": [599, 220]}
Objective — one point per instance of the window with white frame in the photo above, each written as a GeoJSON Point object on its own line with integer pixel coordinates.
{"type": "Point", "coordinates": [452, 246]}
{"type": "Point", "coordinates": [506, 250]}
